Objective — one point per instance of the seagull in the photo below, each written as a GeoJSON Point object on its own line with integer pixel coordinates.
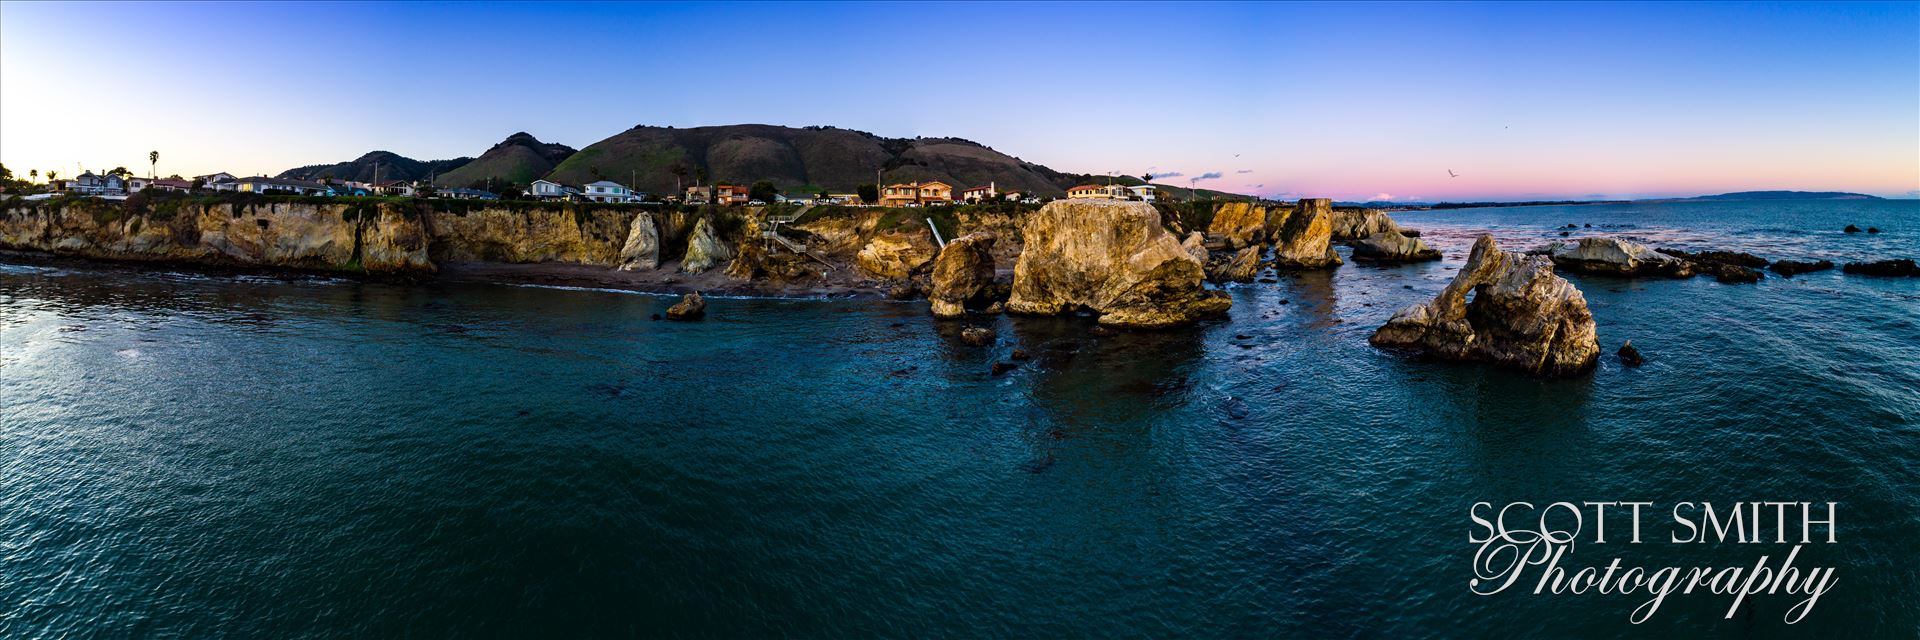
{"type": "Point", "coordinates": [1451, 174]}
{"type": "Point", "coordinates": [1236, 155]}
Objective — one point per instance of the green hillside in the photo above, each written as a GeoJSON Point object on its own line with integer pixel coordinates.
{"type": "Point", "coordinates": [389, 165]}
{"type": "Point", "coordinates": [518, 160]}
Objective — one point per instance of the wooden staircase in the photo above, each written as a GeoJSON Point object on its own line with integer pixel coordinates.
{"type": "Point", "coordinates": [772, 235]}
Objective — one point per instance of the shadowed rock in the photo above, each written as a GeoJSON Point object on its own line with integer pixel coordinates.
{"type": "Point", "coordinates": [1794, 267]}
{"type": "Point", "coordinates": [1392, 246]}
{"type": "Point", "coordinates": [690, 307]}
{"type": "Point", "coordinates": [1893, 268]}
{"type": "Point", "coordinates": [1242, 266]}
{"type": "Point", "coordinates": [1356, 224]}
{"type": "Point", "coordinates": [978, 336]}
{"type": "Point", "coordinates": [1522, 316]}
{"type": "Point", "coordinates": [963, 275]}
{"type": "Point", "coordinates": [1113, 258]}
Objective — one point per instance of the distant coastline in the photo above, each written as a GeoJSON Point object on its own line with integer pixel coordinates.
{"type": "Point", "coordinates": [1735, 196]}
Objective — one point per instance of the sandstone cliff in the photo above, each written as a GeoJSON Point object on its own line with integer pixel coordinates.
{"type": "Point", "coordinates": [351, 236]}
{"type": "Point", "coordinates": [963, 275]}
{"type": "Point", "coordinates": [1114, 259]}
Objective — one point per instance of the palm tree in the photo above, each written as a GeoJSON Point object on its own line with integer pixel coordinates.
{"type": "Point", "coordinates": [52, 175]}
{"type": "Point", "coordinates": [153, 161]}
{"type": "Point", "coordinates": [33, 175]}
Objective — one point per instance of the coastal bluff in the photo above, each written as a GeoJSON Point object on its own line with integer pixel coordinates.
{"type": "Point", "coordinates": [375, 236]}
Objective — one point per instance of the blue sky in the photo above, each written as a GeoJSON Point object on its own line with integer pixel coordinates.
{"type": "Point", "coordinates": [1344, 100]}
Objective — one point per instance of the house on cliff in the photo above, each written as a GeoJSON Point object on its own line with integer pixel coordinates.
{"type": "Point", "coordinates": [981, 194]}
{"type": "Point", "coordinates": [93, 184]}
{"type": "Point", "coordinates": [263, 184]}
{"type": "Point", "coordinates": [608, 191]}
{"type": "Point", "coordinates": [916, 193]}
{"type": "Point", "coordinates": [549, 190]}
{"type": "Point", "coordinates": [730, 194]}
{"type": "Point", "coordinates": [1099, 192]}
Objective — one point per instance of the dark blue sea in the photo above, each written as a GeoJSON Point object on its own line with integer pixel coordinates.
{"type": "Point", "coordinates": [189, 455]}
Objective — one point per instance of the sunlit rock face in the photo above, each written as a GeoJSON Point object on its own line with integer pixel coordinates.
{"type": "Point", "coordinates": [1390, 246]}
{"type": "Point", "coordinates": [1113, 258]}
{"type": "Point", "coordinates": [1305, 239]}
{"type": "Point", "coordinates": [1616, 257]}
{"type": "Point", "coordinates": [642, 249]}
{"type": "Point", "coordinates": [1522, 316]}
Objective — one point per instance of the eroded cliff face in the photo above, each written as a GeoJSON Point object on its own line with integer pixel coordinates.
{"type": "Point", "coordinates": [382, 238]}
{"type": "Point", "coordinates": [557, 234]}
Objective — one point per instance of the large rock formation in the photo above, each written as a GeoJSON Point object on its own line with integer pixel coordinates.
{"type": "Point", "coordinates": [1390, 246]}
{"type": "Point", "coordinates": [1616, 257]}
{"type": "Point", "coordinates": [642, 250]}
{"type": "Point", "coordinates": [963, 275]}
{"type": "Point", "coordinates": [894, 256]}
{"type": "Point", "coordinates": [1304, 240]}
{"type": "Point", "coordinates": [704, 249]}
{"type": "Point", "coordinates": [1522, 316]}
{"type": "Point", "coordinates": [1113, 258]}
{"type": "Point", "coordinates": [1240, 223]}
{"type": "Point", "coordinates": [1355, 224]}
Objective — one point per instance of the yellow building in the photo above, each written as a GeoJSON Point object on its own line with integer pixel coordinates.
{"type": "Point", "coordinates": [921, 193]}
{"type": "Point", "coordinates": [1099, 191]}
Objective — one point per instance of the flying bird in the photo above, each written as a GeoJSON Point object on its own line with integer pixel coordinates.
{"type": "Point", "coordinates": [1451, 174]}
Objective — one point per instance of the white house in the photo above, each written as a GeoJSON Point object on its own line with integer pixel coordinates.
{"type": "Point", "coordinates": [137, 184]}
{"type": "Point", "coordinates": [1143, 192]}
{"type": "Point", "coordinates": [546, 189]}
{"type": "Point", "coordinates": [91, 183]}
{"type": "Point", "coordinates": [982, 193]}
{"type": "Point", "coordinates": [607, 191]}
{"type": "Point", "coordinates": [263, 184]}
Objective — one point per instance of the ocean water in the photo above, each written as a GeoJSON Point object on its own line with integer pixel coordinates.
{"type": "Point", "coordinates": [191, 455]}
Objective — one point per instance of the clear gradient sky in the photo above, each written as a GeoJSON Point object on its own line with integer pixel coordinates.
{"type": "Point", "coordinates": [1351, 101]}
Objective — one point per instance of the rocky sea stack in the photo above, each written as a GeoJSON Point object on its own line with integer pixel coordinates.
{"type": "Point", "coordinates": [1305, 239]}
{"type": "Point", "coordinates": [1616, 257]}
{"type": "Point", "coordinates": [1522, 316]}
{"type": "Point", "coordinates": [963, 276]}
{"type": "Point", "coordinates": [1113, 258]}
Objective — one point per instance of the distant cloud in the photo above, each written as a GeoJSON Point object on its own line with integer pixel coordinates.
{"type": "Point", "coordinates": [1244, 171]}
{"type": "Point", "coordinates": [1594, 196]}
{"type": "Point", "coordinates": [1210, 175]}
{"type": "Point", "coordinates": [1381, 196]}
{"type": "Point", "coordinates": [1170, 174]}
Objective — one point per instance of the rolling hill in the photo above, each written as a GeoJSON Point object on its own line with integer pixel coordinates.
{"type": "Point", "coordinates": [391, 166]}
{"type": "Point", "coordinates": [520, 159]}
{"type": "Point", "coordinates": [825, 158]}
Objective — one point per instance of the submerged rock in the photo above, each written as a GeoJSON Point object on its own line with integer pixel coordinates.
{"type": "Point", "coordinates": [1392, 246]}
{"type": "Point", "coordinates": [963, 275]}
{"type": "Point", "coordinates": [1630, 356]}
{"type": "Point", "coordinates": [1113, 258]}
{"type": "Point", "coordinates": [1001, 368]}
{"type": "Point", "coordinates": [1616, 257]}
{"type": "Point", "coordinates": [1851, 229]}
{"type": "Point", "coordinates": [704, 248]}
{"type": "Point", "coordinates": [642, 250]}
{"type": "Point", "coordinates": [894, 256]}
{"type": "Point", "coordinates": [978, 336]}
{"type": "Point", "coordinates": [1305, 239]}
{"type": "Point", "coordinates": [1873, 229]}
{"type": "Point", "coordinates": [1895, 268]}
{"type": "Point", "coordinates": [690, 307]}
{"type": "Point", "coordinates": [1522, 316]}
{"type": "Point", "coordinates": [1793, 267]}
